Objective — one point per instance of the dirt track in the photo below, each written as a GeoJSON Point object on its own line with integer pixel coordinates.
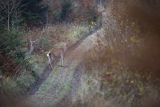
{"type": "Point", "coordinates": [61, 81]}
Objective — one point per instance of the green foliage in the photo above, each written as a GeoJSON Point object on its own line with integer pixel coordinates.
{"type": "Point", "coordinates": [34, 12]}
{"type": "Point", "coordinates": [10, 14]}
{"type": "Point", "coordinates": [77, 32]}
{"type": "Point", "coordinates": [9, 86]}
{"type": "Point", "coordinates": [65, 11]}
{"type": "Point", "coordinates": [92, 15]}
{"type": "Point", "coordinates": [25, 80]}
{"type": "Point", "coordinates": [13, 56]}
{"type": "Point", "coordinates": [10, 42]}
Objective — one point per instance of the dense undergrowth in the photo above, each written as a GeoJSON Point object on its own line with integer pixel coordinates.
{"type": "Point", "coordinates": [125, 62]}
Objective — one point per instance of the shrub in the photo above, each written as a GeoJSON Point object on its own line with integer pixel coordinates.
{"type": "Point", "coordinates": [62, 10]}
{"type": "Point", "coordinates": [11, 53]}
{"type": "Point", "coordinates": [34, 12]}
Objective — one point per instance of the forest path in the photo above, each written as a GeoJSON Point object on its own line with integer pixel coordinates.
{"type": "Point", "coordinates": [63, 80]}
{"type": "Point", "coordinates": [47, 70]}
{"type": "Point", "coordinates": [85, 41]}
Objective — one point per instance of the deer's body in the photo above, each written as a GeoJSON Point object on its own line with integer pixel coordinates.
{"type": "Point", "coordinates": [57, 52]}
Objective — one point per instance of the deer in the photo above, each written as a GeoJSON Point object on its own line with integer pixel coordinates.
{"type": "Point", "coordinates": [57, 52]}
{"type": "Point", "coordinates": [31, 46]}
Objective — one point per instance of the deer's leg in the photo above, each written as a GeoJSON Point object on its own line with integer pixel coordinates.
{"type": "Point", "coordinates": [62, 59]}
{"type": "Point", "coordinates": [50, 59]}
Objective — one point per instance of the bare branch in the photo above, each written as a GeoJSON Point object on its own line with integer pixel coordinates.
{"type": "Point", "coordinates": [9, 9]}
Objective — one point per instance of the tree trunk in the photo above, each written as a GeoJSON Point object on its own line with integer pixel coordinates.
{"type": "Point", "coordinates": [8, 23]}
